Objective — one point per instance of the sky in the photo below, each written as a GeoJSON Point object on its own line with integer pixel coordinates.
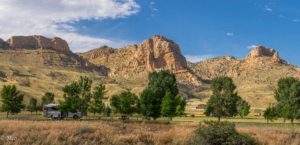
{"type": "Point", "coordinates": [202, 28]}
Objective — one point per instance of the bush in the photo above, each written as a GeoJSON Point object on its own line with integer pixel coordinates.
{"type": "Point", "coordinates": [220, 133]}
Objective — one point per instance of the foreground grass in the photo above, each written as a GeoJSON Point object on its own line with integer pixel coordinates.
{"type": "Point", "coordinates": [16, 132]}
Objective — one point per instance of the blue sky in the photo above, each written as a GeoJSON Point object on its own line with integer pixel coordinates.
{"type": "Point", "coordinates": [202, 28]}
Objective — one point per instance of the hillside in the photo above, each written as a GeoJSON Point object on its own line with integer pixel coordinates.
{"type": "Point", "coordinates": [37, 64]}
{"type": "Point", "coordinates": [256, 75]}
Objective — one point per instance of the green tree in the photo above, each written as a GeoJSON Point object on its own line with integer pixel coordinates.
{"type": "Point", "coordinates": [223, 102]}
{"type": "Point", "coordinates": [115, 103]}
{"type": "Point", "coordinates": [47, 98]}
{"type": "Point", "coordinates": [243, 107]}
{"type": "Point", "coordinates": [125, 103]}
{"type": "Point", "coordinates": [288, 98]}
{"type": "Point", "coordinates": [270, 114]}
{"type": "Point", "coordinates": [32, 106]}
{"type": "Point", "coordinates": [181, 104]}
{"type": "Point", "coordinates": [107, 111]}
{"type": "Point", "coordinates": [72, 101]}
{"type": "Point", "coordinates": [150, 104]}
{"type": "Point", "coordinates": [96, 104]}
{"type": "Point", "coordinates": [85, 85]}
{"type": "Point", "coordinates": [151, 98]}
{"type": "Point", "coordinates": [12, 100]}
{"type": "Point", "coordinates": [172, 106]}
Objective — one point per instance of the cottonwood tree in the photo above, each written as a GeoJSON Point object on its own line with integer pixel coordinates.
{"type": "Point", "coordinates": [32, 106]}
{"type": "Point", "coordinates": [12, 100]}
{"type": "Point", "coordinates": [96, 104]}
{"type": "Point", "coordinates": [72, 101]}
{"type": "Point", "coordinates": [85, 85]}
{"type": "Point", "coordinates": [172, 105]}
{"type": "Point", "coordinates": [243, 107]}
{"type": "Point", "coordinates": [223, 102]}
{"type": "Point", "coordinates": [270, 114]}
{"type": "Point", "coordinates": [125, 103]}
{"type": "Point", "coordinates": [151, 98]}
{"type": "Point", "coordinates": [288, 98]}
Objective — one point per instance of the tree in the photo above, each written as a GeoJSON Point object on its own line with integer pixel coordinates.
{"type": "Point", "coordinates": [96, 105]}
{"type": "Point", "coordinates": [223, 102]}
{"type": "Point", "coordinates": [47, 98]}
{"type": "Point", "coordinates": [288, 98]}
{"type": "Point", "coordinates": [107, 111]}
{"type": "Point", "coordinates": [77, 96]}
{"type": "Point", "coordinates": [181, 104]}
{"type": "Point", "coordinates": [151, 98]}
{"type": "Point", "coordinates": [172, 105]}
{"type": "Point", "coordinates": [72, 101]}
{"type": "Point", "coordinates": [270, 114]}
{"type": "Point", "coordinates": [243, 107]}
{"type": "Point", "coordinates": [85, 85]}
{"type": "Point", "coordinates": [12, 100]}
{"type": "Point", "coordinates": [125, 103]}
{"type": "Point", "coordinates": [32, 107]}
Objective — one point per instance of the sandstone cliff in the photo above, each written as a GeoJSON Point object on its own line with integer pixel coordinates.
{"type": "Point", "coordinates": [136, 61]}
{"type": "Point", "coordinates": [41, 51]}
{"type": "Point", "coordinates": [37, 42]}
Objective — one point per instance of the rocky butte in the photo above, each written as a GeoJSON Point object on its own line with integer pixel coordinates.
{"type": "Point", "coordinates": [136, 61]}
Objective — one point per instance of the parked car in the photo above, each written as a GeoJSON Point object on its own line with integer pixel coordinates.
{"type": "Point", "coordinates": [51, 111]}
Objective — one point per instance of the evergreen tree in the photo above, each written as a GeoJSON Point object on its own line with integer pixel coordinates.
{"type": "Point", "coordinates": [32, 107]}
{"type": "Point", "coordinates": [12, 100]}
{"type": "Point", "coordinates": [223, 102]}
{"type": "Point", "coordinates": [96, 104]}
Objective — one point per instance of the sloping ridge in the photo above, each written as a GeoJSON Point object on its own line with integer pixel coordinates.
{"type": "Point", "coordinates": [256, 75]}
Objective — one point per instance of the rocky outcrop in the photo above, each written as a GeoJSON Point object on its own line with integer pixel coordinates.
{"type": "Point", "coordinates": [154, 54]}
{"type": "Point", "coordinates": [37, 42]}
{"type": "Point", "coordinates": [261, 54]}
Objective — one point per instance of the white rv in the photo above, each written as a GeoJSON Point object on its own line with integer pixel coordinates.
{"type": "Point", "coordinates": [51, 111]}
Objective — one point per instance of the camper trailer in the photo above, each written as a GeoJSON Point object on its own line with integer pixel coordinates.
{"type": "Point", "coordinates": [51, 111]}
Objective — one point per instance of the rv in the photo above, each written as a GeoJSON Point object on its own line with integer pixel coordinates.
{"type": "Point", "coordinates": [51, 111]}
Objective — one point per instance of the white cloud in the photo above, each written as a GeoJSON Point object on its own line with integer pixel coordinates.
{"type": "Point", "coordinates": [269, 9]}
{"type": "Point", "coordinates": [57, 18]}
{"type": "Point", "coordinates": [229, 34]}
{"type": "Point", "coordinates": [296, 20]}
{"type": "Point", "coordinates": [198, 58]}
{"type": "Point", "coordinates": [251, 46]}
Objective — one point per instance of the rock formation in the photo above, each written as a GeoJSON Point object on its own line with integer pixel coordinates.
{"type": "Point", "coordinates": [261, 54]}
{"type": "Point", "coordinates": [156, 53]}
{"type": "Point", "coordinates": [37, 42]}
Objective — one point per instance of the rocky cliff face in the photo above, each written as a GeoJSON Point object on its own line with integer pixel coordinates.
{"type": "Point", "coordinates": [37, 42]}
{"type": "Point", "coordinates": [261, 54]}
{"type": "Point", "coordinates": [41, 51]}
{"type": "Point", "coordinates": [136, 61]}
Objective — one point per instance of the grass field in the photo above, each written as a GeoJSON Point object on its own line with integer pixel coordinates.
{"type": "Point", "coordinates": [30, 129]}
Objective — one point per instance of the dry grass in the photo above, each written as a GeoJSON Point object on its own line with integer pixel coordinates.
{"type": "Point", "coordinates": [117, 133]}
{"type": "Point", "coordinates": [272, 136]}
{"type": "Point", "coordinates": [90, 133]}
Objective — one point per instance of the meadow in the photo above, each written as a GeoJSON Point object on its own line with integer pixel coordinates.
{"type": "Point", "coordinates": [27, 129]}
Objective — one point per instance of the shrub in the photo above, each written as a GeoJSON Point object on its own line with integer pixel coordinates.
{"type": "Point", "coordinates": [220, 133]}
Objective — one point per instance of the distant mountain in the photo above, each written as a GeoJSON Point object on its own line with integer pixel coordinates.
{"type": "Point", "coordinates": [256, 75]}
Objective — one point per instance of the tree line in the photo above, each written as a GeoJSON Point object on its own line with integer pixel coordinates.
{"type": "Point", "coordinates": [159, 99]}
